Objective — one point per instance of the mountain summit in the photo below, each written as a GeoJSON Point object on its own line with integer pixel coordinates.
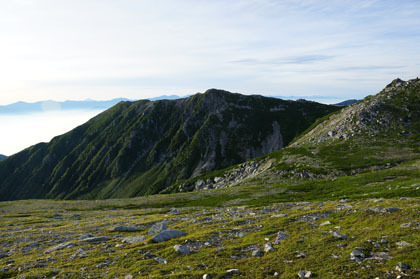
{"type": "Point", "coordinates": [140, 148]}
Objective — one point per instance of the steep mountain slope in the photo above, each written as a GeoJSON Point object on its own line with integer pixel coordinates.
{"type": "Point", "coordinates": [380, 132]}
{"type": "Point", "coordinates": [142, 147]}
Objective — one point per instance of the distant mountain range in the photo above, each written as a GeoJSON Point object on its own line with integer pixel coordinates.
{"type": "Point", "coordinates": [2, 157]}
{"type": "Point", "coordinates": [42, 106]}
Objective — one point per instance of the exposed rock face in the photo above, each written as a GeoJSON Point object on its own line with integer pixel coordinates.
{"type": "Point", "coordinates": [394, 109]}
{"type": "Point", "coordinates": [141, 148]}
{"type": "Point", "coordinates": [230, 178]}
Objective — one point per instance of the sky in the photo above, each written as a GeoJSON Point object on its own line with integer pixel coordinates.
{"type": "Point", "coordinates": [103, 49]}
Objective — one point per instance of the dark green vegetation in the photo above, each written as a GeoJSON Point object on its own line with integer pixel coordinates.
{"type": "Point", "coordinates": [143, 147]}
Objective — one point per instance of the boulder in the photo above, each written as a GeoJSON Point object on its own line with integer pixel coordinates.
{"type": "Point", "coordinates": [133, 239]}
{"type": "Point", "coordinates": [168, 234]}
{"type": "Point", "coordinates": [182, 249]}
{"type": "Point", "coordinates": [125, 229]}
{"type": "Point", "coordinates": [158, 227]}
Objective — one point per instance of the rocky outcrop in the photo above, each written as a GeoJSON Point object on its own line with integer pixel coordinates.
{"type": "Point", "coordinates": [230, 178]}
{"type": "Point", "coordinates": [394, 109]}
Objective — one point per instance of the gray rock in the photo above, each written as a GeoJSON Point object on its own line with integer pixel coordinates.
{"type": "Point", "coordinates": [257, 253]}
{"type": "Point", "coordinates": [300, 254]}
{"type": "Point", "coordinates": [129, 276]}
{"type": "Point", "coordinates": [161, 260]}
{"type": "Point", "coordinates": [60, 247]}
{"type": "Point", "coordinates": [168, 234]}
{"type": "Point", "coordinates": [173, 211]}
{"type": "Point", "coordinates": [80, 253]}
{"type": "Point", "coordinates": [133, 239]}
{"type": "Point", "coordinates": [268, 247]}
{"type": "Point", "coordinates": [206, 276]}
{"type": "Point", "coordinates": [381, 256]}
{"type": "Point", "coordinates": [158, 227]}
{"type": "Point", "coordinates": [340, 235]}
{"type": "Point", "coordinates": [280, 237]}
{"type": "Point", "coordinates": [357, 255]}
{"type": "Point", "coordinates": [406, 225]}
{"type": "Point", "coordinates": [3, 255]}
{"type": "Point", "coordinates": [233, 271]}
{"type": "Point", "coordinates": [401, 267]}
{"type": "Point", "coordinates": [103, 264]}
{"type": "Point", "coordinates": [182, 249]}
{"type": "Point", "coordinates": [40, 265]}
{"type": "Point", "coordinates": [402, 244]}
{"type": "Point", "coordinates": [95, 239]}
{"type": "Point", "coordinates": [325, 223]}
{"type": "Point", "coordinates": [125, 229]}
{"type": "Point", "coordinates": [279, 215]}
{"type": "Point", "coordinates": [305, 274]}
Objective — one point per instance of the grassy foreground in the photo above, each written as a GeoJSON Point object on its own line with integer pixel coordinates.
{"type": "Point", "coordinates": [377, 212]}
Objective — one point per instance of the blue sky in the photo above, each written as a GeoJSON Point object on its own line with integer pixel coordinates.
{"type": "Point", "coordinates": [102, 49]}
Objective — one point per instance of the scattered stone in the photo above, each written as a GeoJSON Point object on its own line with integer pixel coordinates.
{"type": "Point", "coordinates": [381, 256]}
{"type": "Point", "coordinates": [325, 223]}
{"type": "Point", "coordinates": [85, 236]}
{"type": "Point", "coordinates": [276, 274]}
{"type": "Point", "coordinates": [206, 276]}
{"type": "Point", "coordinates": [158, 227]}
{"type": "Point", "coordinates": [357, 255]}
{"type": "Point", "coordinates": [80, 253]}
{"type": "Point", "coordinates": [401, 267]}
{"type": "Point", "coordinates": [280, 237]}
{"type": "Point", "coordinates": [95, 239]}
{"type": "Point", "coordinates": [168, 234]}
{"type": "Point", "coordinates": [384, 241]}
{"type": "Point", "coordinates": [402, 244]}
{"type": "Point", "coordinates": [340, 235]}
{"type": "Point", "coordinates": [182, 249]}
{"type": "Point", "coordinates": [233, 271]}
{"type": "Point", "coordinates": [300, 254]}
{"type": "Point", "coordinates": [406, 225]}
{"type": "Point", "coordinates": [161, 260]}
{"type": "Point", "coordinates": [173, 211]}
{"type": "Point", "coordinates": [268, 247]}
{"type": "Point", "coordinates": [241, 234]}
{"type": "Point", "coordinates": [257, 253]}
{"type": "Point", "coordinates": [304, 274]}
{"type": "Point", "coordinates": [380, 209]}
{"type": "Point", "coordinates": [133, 239]}
{"type": "Point", "coordinates": [102, 265]}
{"type": "Point", "coordinates": [279, 215]}
{"type": "Point", "coordinates": [129, 276]}
{"type": "Point", "coordinates": [60, 247]}
{"type": "Point", "coordinates": [125, 229]}
{"type": "Point", "coordinates": [3, 255]}
{"type": "Point", "coordinates": [40, 265]}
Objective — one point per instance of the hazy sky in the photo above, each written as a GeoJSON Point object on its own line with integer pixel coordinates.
{"type": "Point", "coordinates": [101, 49]}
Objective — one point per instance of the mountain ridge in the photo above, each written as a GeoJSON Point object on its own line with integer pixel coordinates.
{"type": "Point", "coordinates": [109, 156]}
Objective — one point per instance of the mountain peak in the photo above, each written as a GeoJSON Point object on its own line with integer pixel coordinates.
{"type": "Point", "coordinates": [392, 112]}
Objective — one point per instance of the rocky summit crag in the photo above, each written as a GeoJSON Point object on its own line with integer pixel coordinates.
{"type": "Point", "coordinates": [139, 148]}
